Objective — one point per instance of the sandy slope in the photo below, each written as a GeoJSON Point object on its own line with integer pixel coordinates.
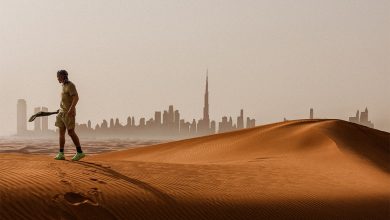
{"type": "Point", "coordinates": [298, 169]}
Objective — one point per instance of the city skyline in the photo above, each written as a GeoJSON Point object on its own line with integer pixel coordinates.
{"type": "Point", "coordinates": [170, 125]}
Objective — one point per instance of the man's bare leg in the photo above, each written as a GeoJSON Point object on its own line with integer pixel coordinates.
{"type": "Point", "coordinates": [60, 155]}
{"type": "Point", "coordinates": [62, 139]}
{"type": "Point", "coordinates": [75, 140]}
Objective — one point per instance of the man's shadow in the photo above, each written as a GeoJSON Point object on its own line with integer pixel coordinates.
{"type": "Point", "coordinates": [112, 173]}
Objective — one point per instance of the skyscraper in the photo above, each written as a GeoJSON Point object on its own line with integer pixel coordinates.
{"type": "Point", "coordinates": [45, 121]}
{"type": "Point", "coordinates": [21, 116]}
{"type": "Point", "coordinates": [363, 119]}
{"type": "Point", "coordinates": [212, 127]}
{"type": "Point", "coordinates": [165, 119]}
{"type": "Point", "coordinates": [128, 122]}
{"type": "Point", "coordinates": [37, 121]}
{"type": "Point", "coordinates": [204, 123]}
{"type": "Point", "coordinates": [364, 116]}
{"type": "Point", "coordinates": [206, 117]}
{"type": "Point", "coordinates": [171, 117]}
{"type": "Point", "coordinates": [142, 122]}
{"type": "Point", "coordinates": [132, 122]}
{"type": "Point", "coordinates": [112, 123]}
{"type": "Point", "coordinates": [355, 119]}
{"type": "Point", "coordinates": [240, 120]}
{"type": "Point", "coordinates": [157, 118]}
{"type": "Point", "coordinates": [311, 113]}
{"type": "Point", "coordinates": [176, 125]}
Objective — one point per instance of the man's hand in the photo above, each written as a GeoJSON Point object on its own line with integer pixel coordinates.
{"type": "Point", "coordinates": [72, 112]}
{"type": "Point", "coordinates": [72, 109]}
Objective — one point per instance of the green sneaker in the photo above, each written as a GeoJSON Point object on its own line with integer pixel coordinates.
{"type": "Point", "coordinates": [60, 156]}
{"type": "Point", "coordinates": [78, 156]}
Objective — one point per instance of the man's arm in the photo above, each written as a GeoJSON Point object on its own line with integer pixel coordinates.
{"type": "Point", "coordinates": [72, 109]}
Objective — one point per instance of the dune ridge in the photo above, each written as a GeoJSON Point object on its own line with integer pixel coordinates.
{"type": "Point", "coordinates": [301, 137]}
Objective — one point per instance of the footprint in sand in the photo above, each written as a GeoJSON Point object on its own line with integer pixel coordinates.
{"type": "Point", "coordinates": [94, 190]}
{"type": "Point", "coordinates": [99, 181]}
{"type": "Point", "coordinates": [86, 207]}
{"type": "Point", "coordinates": [65, 182]}
{"type": "Point", "coordinates": [95, 193]}
{"type": "Point", "coordinates": [74, 198]}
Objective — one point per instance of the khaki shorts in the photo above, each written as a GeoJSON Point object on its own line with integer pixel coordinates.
{"type": "Point", "coordinates": [65, 121]}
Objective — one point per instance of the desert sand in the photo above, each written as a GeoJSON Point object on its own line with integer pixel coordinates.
{"type": "Point", "coordinates": [303, 169]}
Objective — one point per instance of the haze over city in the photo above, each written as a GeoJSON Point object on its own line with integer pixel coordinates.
{"type": "Point", "coordinates": [217, 109]}
{"type": "Point", "coordinates": [135, 57]}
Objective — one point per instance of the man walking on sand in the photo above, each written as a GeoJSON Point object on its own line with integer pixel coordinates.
{"type": "Point", "coordinates": [66, 118]}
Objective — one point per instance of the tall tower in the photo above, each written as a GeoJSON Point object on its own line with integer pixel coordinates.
{"type": "Point", "coordinates": [204, 123]}
{"type": "Point", "coordinates": [240, 120]}
{"type": "Point", "coordinates": [206, 117]}
{"type": "Point", "coordinates": [364, 116]}
{"type": "Point", "coordinates": [171, 116]}
{"type": "Point", "coordinates": [176, 124]}
{"type": "Point", "coordinates": [37, 121]}
{"type": "Point", "coordinates": [45, 121]}
{"type": "Point", "coordinates": [21, 116]}
{"type": "Point", "coordinates": [311, 113]}
{"type": "Point", "coordinates": [157, 118]}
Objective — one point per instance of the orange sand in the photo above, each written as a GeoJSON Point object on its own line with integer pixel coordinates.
{"type": "Point", "coordinates": [317, 169]}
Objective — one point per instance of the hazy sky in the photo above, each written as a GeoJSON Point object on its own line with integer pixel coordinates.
{"type": "Point", "coordinates": [273, 58]}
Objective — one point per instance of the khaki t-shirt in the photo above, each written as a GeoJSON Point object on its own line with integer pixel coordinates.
{"type": "Point", "coordinates": [68, 91]}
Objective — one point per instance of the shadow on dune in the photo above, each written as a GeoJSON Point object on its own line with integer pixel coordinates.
{"type": "Point", "coordinates": [364, 141]}
{"type": "Point", "coordinates": [375, 207]}
{"type": "Point", "coordinates": [145, 186]}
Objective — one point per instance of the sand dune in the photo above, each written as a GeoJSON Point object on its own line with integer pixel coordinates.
{"type": "Point", "coordinates": [304, 138]}
{"type": "Point", "coordinates": [317, 169]}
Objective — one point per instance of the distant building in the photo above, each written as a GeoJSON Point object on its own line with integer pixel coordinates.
{"type": "Point", "coordinates": [176, 125]}
{"type": "Point", "coordinates": [128, 125]}
{"type": "Point", "coordinates": [165, 119]}
{"type": "Point", "coordinates": [21, 116]}
{"type": "Point", "coordinates": [149, 123]}
{"type": "Point", "coordinates": [223, 125]}
{"type": "Point", "coordinates": [157, 118]}
{"type": "Point", "coordinates": [37, 121]}
{"type": "Point", "coordinates": [142, 122]}
{"type": "Point", "coordinates": [171, 117]}
{"type": "Point", "coordinates": [240, 120]}
{"type": "Point", "coordinates": [226, 125]}
{"type": "Point", "coordinates": [213, 127]}
{"type": "Point", "coordinates": [355, 119]}
{"type": "Point", "coordinates": [363, 119]}
{"type": "Point", "coordinates": [117, 123]}
{"type": "Point", "coordinates": [193, 128]}
{"type": "Point", "coordinates": [112, 123]}
{"type": "Point", "coordinates": [45, 121]}
{"type": "Point", "coordinates": [311, 113]}
{"type": "Point", "coordinates": [204, 123]}
{"type": "Point", "coordinates": [104, 124]}
{"type": "Point", "coordinates": [132, 121]}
